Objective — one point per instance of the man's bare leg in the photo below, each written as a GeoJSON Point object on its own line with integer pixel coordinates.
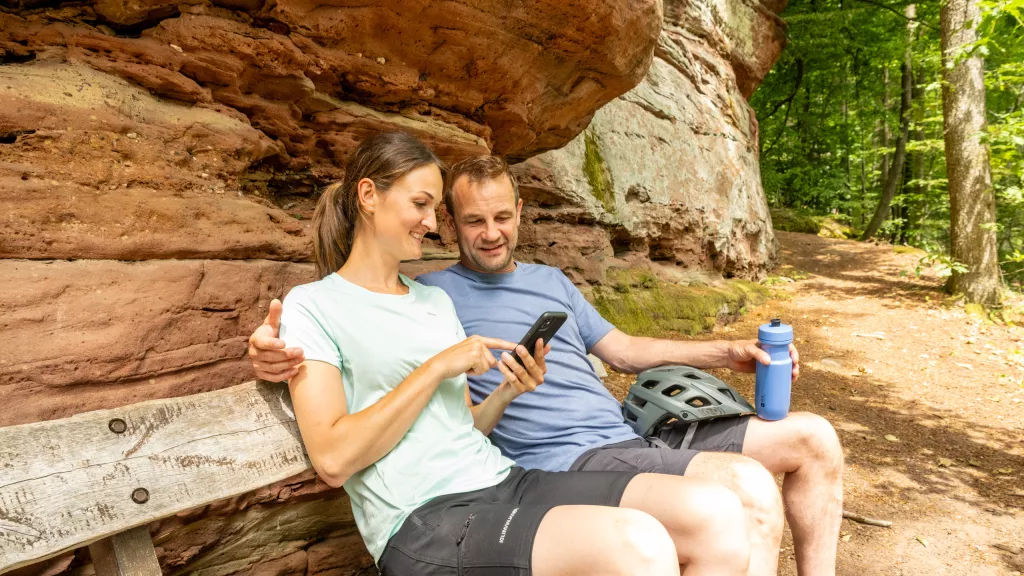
{"type": "Point", "coordinates": [805, 448]}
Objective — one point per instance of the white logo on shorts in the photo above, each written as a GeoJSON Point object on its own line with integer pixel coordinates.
{"type": "Point", "coordinates": [504, 528]}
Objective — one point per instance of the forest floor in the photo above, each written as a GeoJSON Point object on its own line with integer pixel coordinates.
{"type": "Point", "coordinates": [928, 402]}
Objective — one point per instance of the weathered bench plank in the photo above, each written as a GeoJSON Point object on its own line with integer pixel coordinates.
{"type": "Point", "coordinates": [129, 553]}
{"type": "Point", "coordinates": [67, 483]}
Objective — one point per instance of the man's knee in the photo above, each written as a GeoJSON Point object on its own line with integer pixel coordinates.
{"type": "Point", "coordinates": [817, 440]}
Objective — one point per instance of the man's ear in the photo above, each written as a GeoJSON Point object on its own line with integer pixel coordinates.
{"type": "Point", "coordinates": [519, 211]}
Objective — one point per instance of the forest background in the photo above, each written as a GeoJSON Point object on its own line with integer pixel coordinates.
{"type": "Point", "coordinates": [832, 138]}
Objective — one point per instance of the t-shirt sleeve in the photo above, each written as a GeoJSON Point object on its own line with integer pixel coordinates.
{"type": "Point", "coordinates": [591, 324]}
{"type": "Point", "coordinates": [302, 327]}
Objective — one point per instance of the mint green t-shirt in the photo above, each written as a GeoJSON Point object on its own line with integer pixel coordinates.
{"type": "Point", "coordinates": [377, 340]}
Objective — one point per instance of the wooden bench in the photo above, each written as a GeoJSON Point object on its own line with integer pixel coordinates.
{"type": "Point", "coordinates": [99, 478]}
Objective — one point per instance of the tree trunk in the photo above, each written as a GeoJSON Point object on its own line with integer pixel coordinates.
{"type": "Point", "coordinates": [915, 158]}
{"type": "Point", "coordinates": [971, 199]}
{"type": "Point", "coordinates": [896, 169]}
{"type": "Point", "coordinates": [885, 125]}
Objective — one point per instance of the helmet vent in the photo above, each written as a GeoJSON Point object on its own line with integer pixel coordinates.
{"type": "Point", "coordinates": [692, 376]}
{"type": "Point", "coordinates": [673, 390]}
{"type": "Point", "coordinates": [698, 402]}
{"type": "Point", "coordinates": [650, 384]}
{"type": "Point", "coordinates": [728, 393]}
{"type": "Point", "coordinates": [631, 417]}
{"type": "Point", "coordinates": [639, 402]}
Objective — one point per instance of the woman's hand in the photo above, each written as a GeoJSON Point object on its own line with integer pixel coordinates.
{"type": "Point", "coordinates": [520, 379]}
{"type": "Point", "coordinates": [472, 356]}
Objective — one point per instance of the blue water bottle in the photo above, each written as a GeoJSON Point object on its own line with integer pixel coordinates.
{"type": "Point", "coordinates": [773, 382]}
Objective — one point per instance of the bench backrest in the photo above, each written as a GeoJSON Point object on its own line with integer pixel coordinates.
{"type": "Point", "coordinates": [71, 482]}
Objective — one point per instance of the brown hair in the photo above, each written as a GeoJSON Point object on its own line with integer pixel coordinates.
{"type": "Point", "coordinates": [479, 169]}
{"type": "Point", "coordinates": [383, 158]}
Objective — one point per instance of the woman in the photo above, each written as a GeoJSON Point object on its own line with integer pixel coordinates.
{"type": "Point", "coordinates": [382, 405]}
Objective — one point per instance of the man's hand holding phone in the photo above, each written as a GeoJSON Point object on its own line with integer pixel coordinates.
{"type": "Point", "coordinates": [523, 372]}
{"type": "Point", "coordinates": [524, 377]}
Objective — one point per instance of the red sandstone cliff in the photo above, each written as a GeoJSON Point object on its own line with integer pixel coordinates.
{"type": "Point", "coordinates": [159, 161]}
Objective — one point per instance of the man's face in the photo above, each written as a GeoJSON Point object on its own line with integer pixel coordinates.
{"type": "Point", "coordinates": [487, 223]}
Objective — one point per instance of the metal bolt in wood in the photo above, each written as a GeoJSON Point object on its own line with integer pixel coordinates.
{"type": "Point", "coordinates": [140, 495]}
{"type": "Point", "coordinates": [117, 426]}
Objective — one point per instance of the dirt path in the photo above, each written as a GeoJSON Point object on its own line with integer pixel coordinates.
{"type": "Point", "coordinates": [930, 415]}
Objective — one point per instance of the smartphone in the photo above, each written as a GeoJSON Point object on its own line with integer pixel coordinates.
{"type": "Point", "coordinates": [544, 328]}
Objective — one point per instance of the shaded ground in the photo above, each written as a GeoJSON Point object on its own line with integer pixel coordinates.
{"type": "Point", "coordinates": [930, 415]}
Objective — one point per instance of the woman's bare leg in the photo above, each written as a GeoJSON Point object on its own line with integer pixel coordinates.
{"type": "Point", "coordinates": [602, 541]}
{"type": "Point", "coordinates": [704, 519]}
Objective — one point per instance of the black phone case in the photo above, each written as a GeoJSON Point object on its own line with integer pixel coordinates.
{"type": "Point", "coordinates": [544, 328]}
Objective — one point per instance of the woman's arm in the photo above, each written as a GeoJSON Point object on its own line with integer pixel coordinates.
{"type": "Point", "coordinates": [340, 444]}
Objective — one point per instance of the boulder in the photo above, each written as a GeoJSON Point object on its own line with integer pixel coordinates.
{"type": "Point", "coordinates": [93, 334]}
{"type": "Point", "coordinates": [478, 75]}
{"type": "Point", "coordinates": [669, 171]}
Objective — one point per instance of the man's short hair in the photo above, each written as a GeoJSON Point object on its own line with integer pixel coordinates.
{"type": "Point", "coordinates": [478, 169]}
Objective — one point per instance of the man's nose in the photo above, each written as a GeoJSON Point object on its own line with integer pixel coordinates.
{"type": "Point", "coordinates": [492, 232]}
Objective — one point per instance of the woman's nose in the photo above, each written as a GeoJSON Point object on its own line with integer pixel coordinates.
{"type": "Point", "coordinates": [431, 221]}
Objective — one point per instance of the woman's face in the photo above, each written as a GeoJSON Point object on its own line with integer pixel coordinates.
{"type": "Point", "coordinates": [405, 213]}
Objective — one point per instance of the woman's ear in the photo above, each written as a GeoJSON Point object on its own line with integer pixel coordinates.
{"type": "Point", "coordinates": [366, 192]}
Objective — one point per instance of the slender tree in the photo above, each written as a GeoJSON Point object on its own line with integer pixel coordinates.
{"type": "Point", "coordinates": [896, 170]}
{"type": "Point", "coordinates": [971, 198]}
{"type": "Point", "coordinates": [893, 174]}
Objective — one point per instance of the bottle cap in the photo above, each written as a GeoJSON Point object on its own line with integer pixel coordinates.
{"type": "Point", "coordinates": [775, 332]}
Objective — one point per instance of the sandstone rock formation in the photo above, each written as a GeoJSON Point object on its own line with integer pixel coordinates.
{"type": "Point", "coordinates": [669, 171]}
{"type": "Point", "coordinates": [159, 161]}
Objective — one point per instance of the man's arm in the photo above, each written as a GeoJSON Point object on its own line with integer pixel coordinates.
{"type": "Point", "coordinates": [270, 359]}
{"type": "Point", "coordinates": [632, 354]}
{"type": "Point", "coordinates": [523, 379]}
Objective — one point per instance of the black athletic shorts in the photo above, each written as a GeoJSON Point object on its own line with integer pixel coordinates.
{"type": "Point", "coordinates": [643, 455]}
{"type": "Point", "coordinates": [490, 532]}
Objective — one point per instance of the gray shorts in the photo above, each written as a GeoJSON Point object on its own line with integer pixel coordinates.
{"type": "Point", "coordinates": [643, 455]}
{"type": "Point", "coordinates": [490, 532]}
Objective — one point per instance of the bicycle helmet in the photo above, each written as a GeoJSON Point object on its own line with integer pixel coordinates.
{"type": "Point", "coordinates": [679, 392]}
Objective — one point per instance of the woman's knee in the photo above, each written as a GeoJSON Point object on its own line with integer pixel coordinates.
{"type": "Point", "coordinates": [759, 495]}
{"type": "Point", "coordinates": [717, 518]}
{"type": "Point", "coordinates": [645, 546]}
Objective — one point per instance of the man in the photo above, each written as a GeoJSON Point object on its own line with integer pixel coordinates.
{"type": "Point", "coordinates": [572, 422]}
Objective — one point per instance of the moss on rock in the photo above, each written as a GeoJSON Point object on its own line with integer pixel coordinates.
{"type": "Point", "coordinates": [639, 304]}
{"type": "Point", "coordinates": [789, 220]}
{"type": "Point", "coordinates": [598, 176]}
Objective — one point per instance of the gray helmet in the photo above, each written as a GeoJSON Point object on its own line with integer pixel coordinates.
{"type": "Point", "coordinates": [679, 392]}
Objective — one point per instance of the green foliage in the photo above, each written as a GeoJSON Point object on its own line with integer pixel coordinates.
{"type": "Point", "coordinates": [825, 107]}
{"type": "Point", "coordinates": [641, 305]}
{"type": "Point", "coordinates": [598, 176]}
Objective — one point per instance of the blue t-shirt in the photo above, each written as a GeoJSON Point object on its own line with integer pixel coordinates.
{"type": "Point", "coordinates": [571, 411]}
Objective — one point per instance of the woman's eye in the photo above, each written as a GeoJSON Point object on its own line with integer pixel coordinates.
{"type": "Point", "coordinates": [421, 204]}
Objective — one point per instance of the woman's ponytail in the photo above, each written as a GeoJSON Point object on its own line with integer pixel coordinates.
{"type": "Point", "coordinates": [383, 158]}
{"type": "Point", "coordinates": [333, 230]}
